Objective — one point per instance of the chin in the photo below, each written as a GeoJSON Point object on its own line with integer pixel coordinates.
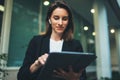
{"type": "Point", "coordinates": [60, 32]}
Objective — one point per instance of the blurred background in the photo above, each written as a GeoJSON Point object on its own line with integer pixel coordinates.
{"type": "Point", "coordinates": [97, 26]}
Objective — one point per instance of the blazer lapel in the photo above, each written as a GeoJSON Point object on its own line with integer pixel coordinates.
{"type": "Point", "coordinates": [45, 45]}
{"type": "Point", "coordinates": [66, 46]}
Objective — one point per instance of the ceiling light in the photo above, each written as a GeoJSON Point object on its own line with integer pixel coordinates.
{"type": "Point", "coordinates": [2, 8]}
{"type": "Point", "coordinates": [85, 28]}
{"type": "Point", "coordinates": [112, 31]}
{"type": "Point", "coordinates": [93, 34]}
{"type": "Point", "coordinates": [46, 3]}
{"type": "Point", "coordinates": [92, 10]}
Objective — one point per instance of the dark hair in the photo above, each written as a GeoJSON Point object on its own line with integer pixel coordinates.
{"type": "Point", "coordinates": [68, 33]}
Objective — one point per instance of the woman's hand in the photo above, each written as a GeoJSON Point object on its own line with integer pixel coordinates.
{"type": "Point", "coordinates": [38, 63]}
{"type": "Point", "coordinates": [70, 75]}
{"type": "Point", "coordinates": [42, 59]}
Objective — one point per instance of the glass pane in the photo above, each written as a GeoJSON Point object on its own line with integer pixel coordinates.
{"type": "Point", "coordinates": [24, 25]}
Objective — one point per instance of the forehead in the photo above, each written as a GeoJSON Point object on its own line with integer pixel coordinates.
{"type": "Point", "coordinates": [60, 12]}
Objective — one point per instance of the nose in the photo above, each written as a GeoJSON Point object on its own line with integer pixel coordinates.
{"type": "Point", "coordinates": [60, 22]}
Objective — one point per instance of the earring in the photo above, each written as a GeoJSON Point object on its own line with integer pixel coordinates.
{"type": "Point", "coordinates": [49, 21]}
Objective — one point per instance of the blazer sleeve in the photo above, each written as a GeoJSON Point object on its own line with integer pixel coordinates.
{"type": "Point", "coordinates": [31, 55]}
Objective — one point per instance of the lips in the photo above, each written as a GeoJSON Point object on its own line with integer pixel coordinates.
{"type": "Point", "coordinates": [61, 28]}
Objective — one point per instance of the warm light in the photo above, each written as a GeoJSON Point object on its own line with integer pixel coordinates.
{"type": "Point", "coordinates": [92, 10]}
{"type": "Point", "coordinates": [91, 41]}
{"type": "Point", "coordinates": [112, 31]}
{"type": "Point", "coordinates": [85, 28]}
{"type": "Point", "coordinates": [46, 3]}
{"type": "Point", "coordinates": [1, 8]}
{"type": "Point", "coordinates": [93, 33]}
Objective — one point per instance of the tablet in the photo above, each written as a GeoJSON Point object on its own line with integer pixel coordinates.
{"type": "Point", "coordinates": [55, 60]}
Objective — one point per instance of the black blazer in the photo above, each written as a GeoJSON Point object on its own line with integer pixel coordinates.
{"type": "Point", "coordinates": [37, 47]}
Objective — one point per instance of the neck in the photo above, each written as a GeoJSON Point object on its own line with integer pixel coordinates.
{"type": "Point", "coordinates": [56, 37]}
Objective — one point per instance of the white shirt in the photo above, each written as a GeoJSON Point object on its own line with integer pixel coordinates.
{"type": "Point", "coordinates": [56, 46]}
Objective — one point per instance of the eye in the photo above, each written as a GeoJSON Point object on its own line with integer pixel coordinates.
{"type": "Point", "coordinates": [65, 18]}
{"type": "Point", "coordinates": [56, 17]}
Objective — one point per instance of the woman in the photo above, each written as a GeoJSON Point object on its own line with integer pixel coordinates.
{"type": "Point", "coordinates": [58, 37]}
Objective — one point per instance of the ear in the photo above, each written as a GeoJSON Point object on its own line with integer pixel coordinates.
{"type": "Point", "coordinates": [49, 21]}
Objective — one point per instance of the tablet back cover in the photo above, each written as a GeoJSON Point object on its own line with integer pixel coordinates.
{"type": "Point", "coordinates": [62, 60]}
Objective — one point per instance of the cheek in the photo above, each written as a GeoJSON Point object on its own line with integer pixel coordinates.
{"type": "Point", "coordinates": [65, 24]}
{"type": "Point", "coordinates": [54, 23]}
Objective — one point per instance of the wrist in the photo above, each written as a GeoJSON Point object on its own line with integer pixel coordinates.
{"type": "Point", "coordinates": [35, 66]}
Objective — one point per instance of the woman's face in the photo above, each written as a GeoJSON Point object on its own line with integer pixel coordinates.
{"type": "Point", "coordinates": [59, 21]}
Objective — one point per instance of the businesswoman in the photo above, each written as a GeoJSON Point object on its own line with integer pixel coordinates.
{"type": "Point", "coordinates": [58, 37]}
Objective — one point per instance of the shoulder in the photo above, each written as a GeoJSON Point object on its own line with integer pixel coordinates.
{"type": "Point", "coordinates": [75, 41]}
{"type": "Point", "coordinates": [75, 45]}
{"type": "Point", "coordinates": [37, 37]}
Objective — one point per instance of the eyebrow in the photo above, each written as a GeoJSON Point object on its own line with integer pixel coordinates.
{"type": "Point", "coordinates": [63, 16]}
